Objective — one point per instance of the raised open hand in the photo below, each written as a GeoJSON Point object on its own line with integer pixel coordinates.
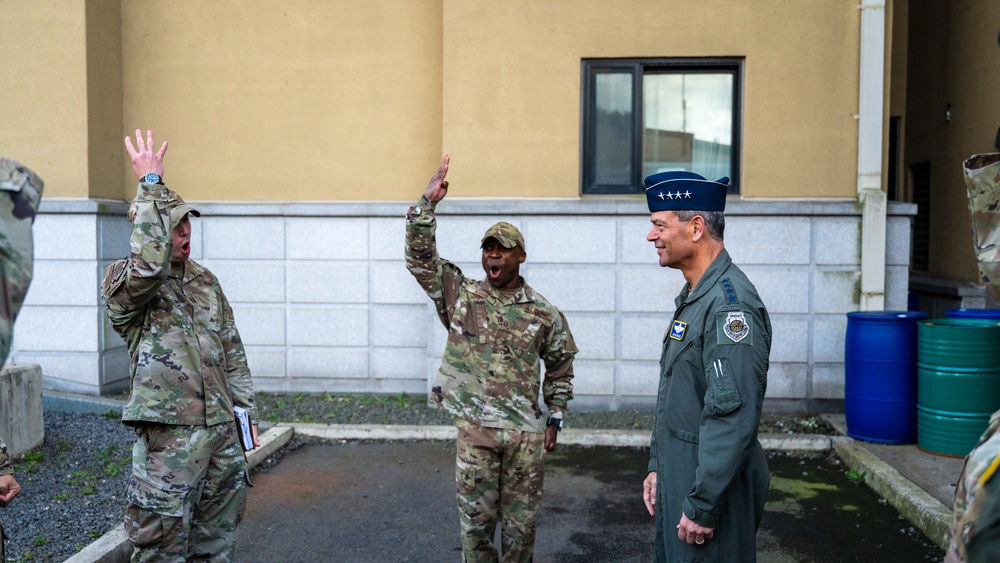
{"type": "Point", "coordinates": [144, 160]}
{"type": "Point", "coordinates": [437, 188]}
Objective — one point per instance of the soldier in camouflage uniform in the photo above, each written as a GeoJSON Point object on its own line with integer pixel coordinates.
{"type": "Point", "coordinates": [498, 330]}
{"type": "Point", "coordinates": [982, 178]}
{"type": "Point", "coordinates": [20, 192]}
{"type": "Point", "coordinates": [188, 485]}
{"type": "Point", "coordinates": [975, 494]}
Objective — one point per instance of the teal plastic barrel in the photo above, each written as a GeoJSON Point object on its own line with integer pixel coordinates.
{"type": "Point", "coordinates": [958, 382]}
{"type": "Point", "coordinates": [880, 376]}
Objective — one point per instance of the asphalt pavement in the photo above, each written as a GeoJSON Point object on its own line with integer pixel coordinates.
{"type": "Point", "coordinates": [384, 493]}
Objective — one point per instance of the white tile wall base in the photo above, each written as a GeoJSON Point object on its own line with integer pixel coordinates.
{"type": "Point", "coordinates": [787, 380]}
{"type": "Point", "coordinates": [593, 378]}
{"type": "Point", "coordinates": [324, 301]}
{"type": "Point", "coordinates": [311, 385]}
{"type": "Point", "coordinates": [82, 372]}
{"type": "Point", "coordinates": [638, 379]}
{"type": "Point", "coordinates": [828, 381]}
{"type": "Point", "coordinates": [398, 363]}
{"type": "Point", "coordinates": [397, 386]}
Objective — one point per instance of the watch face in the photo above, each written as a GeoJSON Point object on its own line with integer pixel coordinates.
{"type": "Point", "coordinates": [152, 178]}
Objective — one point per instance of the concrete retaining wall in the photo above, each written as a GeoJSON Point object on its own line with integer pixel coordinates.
{"type": "Point", "coordinates": [21, 424]}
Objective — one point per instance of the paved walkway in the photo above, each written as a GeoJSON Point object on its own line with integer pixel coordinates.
{"type": "Point", "coordinates": [416, 510]}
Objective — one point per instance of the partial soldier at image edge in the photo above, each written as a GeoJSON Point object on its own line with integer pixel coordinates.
{"type": "Point", "coordinates": [22, 192]}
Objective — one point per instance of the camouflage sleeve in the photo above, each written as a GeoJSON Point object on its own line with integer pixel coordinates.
{"type": "Point", "coordinates": [20, 192]}
{"type": "Point", "coordinates": [237, 371]}
{"type": "Point", "coordinates": [5, 466]}
{"type": "Point", "coordinates": [131, 283]}
{"type": "Point", "coordinates": [558, 354]}
{"type": "Point", "coordinates": [438, 277]}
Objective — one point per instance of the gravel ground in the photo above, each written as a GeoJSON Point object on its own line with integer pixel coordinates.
{"type": "Point", "coordinates": [72, 484]}
{"type": "Point", "coordinates": [71, 487]}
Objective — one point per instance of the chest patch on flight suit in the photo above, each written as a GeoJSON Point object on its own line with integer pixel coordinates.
{"type": "Point", "coordinates": [677, 330]}
{"type": "Point", "coordinates": [733, 327]}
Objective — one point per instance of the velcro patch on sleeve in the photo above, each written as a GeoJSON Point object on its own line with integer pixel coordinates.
{"type": "Point", "coordinates": [733, 327]}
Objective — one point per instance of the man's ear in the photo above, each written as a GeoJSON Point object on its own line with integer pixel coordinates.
{"type": "Point", "coordinates": [523, 256]}
{"type": "Point", "coordinates": [697, 227]}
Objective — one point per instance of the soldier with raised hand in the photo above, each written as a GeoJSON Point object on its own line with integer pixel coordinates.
{"type": "Point", "coordinates": [499, 331]}
{"type": "Point", "coordinates": [187, 491]}
{"type": "Point", "coordinates": [20, 192]}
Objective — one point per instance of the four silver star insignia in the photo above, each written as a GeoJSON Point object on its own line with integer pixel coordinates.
{"type": "Point", "coordinates": [678, 195]}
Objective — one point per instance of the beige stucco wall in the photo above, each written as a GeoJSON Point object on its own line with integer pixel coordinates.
{"type": "Point", "coordinates": [342, 100]}
{"type": "Point", "coordinates": [512, 87]}
{"type": "Point", "coordinates": [298, 100]}
{"type": "Point", "coordinates": [43, 92]}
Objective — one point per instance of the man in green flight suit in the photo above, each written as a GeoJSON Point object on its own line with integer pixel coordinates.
{"type": "Point", "coordinates": [499, 331]}
{"type": "Point", "coordinates": [708, 476]}
{"type": "Point", "coordinates": [188, 487]}
{"type": "Point", "coordinates": [20, 192]}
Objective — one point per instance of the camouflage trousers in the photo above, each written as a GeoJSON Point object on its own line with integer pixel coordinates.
{"type": "Point", "coordinates": [499, 475]}
{"type": "Point", "coordinates": [187, 492]}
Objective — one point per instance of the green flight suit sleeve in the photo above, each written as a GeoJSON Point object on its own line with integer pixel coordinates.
{"type": "Point", "coordinates": [736, 376]}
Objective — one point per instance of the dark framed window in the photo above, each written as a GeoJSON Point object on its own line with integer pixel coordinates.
{"type": "Point", "coordinates": [642, 116]}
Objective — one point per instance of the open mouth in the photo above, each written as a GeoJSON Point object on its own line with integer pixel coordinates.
{"type": "Point", "coordinates": [494, 271]}
{"type": "Point", "coordinates": [186, 247]}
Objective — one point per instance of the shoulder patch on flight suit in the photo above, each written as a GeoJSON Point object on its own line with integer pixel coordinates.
{"type": "Point", "coordinates": [733, 327]}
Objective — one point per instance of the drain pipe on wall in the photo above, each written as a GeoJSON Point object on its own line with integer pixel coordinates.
{"type": "Point", "coordinates": [870, 195]}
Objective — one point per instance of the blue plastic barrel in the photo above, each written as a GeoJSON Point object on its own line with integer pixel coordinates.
{"type": "Point", "coordinates": [993, 314]}
{"type": "Point", "coordinates": [880, 369]}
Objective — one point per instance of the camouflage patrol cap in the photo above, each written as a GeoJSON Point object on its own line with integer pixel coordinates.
{"type": "Point", "coordinates": [506, 234]}
{"type": "Point", "coordinates": [176, 206]}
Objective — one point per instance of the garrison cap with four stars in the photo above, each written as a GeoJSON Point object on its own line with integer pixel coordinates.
{"type": "Point", "coordinates": [684, 191]}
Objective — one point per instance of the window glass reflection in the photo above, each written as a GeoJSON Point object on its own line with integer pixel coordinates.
{"type": "Point", "coordinates": [687, 123]}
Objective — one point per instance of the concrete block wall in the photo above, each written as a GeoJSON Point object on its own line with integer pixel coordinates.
{"type": "Point", "coordinates": [323, 300]}
{"type": "Point", "coordinates": [62, 326]}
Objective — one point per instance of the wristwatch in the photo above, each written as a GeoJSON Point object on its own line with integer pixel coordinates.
{"type": "Point", "coordinates": [553, 421]}
{"type": "Point", "coordinates": [152, 178]}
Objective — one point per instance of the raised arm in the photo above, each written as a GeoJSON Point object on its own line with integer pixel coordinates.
{"type": "Point", "coordinates": [437, 188]}
{"type": "Point", "coordinates": [129, 284]}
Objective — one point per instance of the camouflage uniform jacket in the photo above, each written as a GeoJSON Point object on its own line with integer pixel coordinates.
{"type": "Point", "coordinates": [187, 361]}
{"type": "Point", "coordinates": [490, 371]}
{"type": "Point", "coordinates": [5, 466]}
{"type": "Point", "coordinates": [20, 192]}
{"type": "Point", "coordinates": [972, 488]}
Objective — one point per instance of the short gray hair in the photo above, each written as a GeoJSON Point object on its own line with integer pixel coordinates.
{"type": "Point", "coordinates": [715, 221]}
